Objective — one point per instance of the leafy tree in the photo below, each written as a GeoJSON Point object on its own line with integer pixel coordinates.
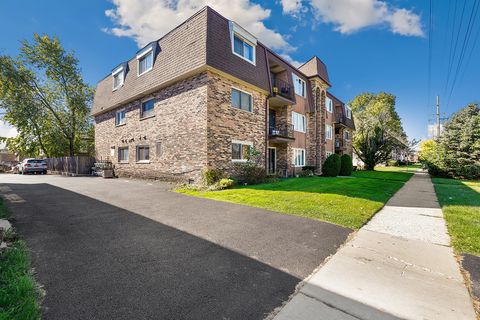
{"type": "Point", "coordinates": [378, 128]}
{"type": "Point", "coordinates": [45, 98]}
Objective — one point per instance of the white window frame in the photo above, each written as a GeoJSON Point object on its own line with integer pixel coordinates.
{"type": "Point", "coordinates": [329, 104]}
{"type": "Point", "coordinates": [348, 112]}
{"type": "Point", "coordinates": [137, 153]}
{"type": "Point", "coordinates": [328, 132]}
{"type": "Point", "coordinates": [248, 93]}
{"type": "Point", "coordinates": [242, 143]}
{"type": "Point", "coordinates": [295, 122]}
{"type": "Point", "coordinates": [295, 155]}
{"type": "Point", "coordinates": [120, 73]}
{"type": "Point", "coordinates": [140, 56]}
{"type": "Point", "coordinates": [118, 155]}
{"type": "Point", "coordinates": [296, 79]}
{"type": "Point", "coordinates": [236, 30]}
{"type": "Point", "coordinates": [124, 118]}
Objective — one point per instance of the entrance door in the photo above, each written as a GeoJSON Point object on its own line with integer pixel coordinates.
{"type": "Point", "coordinates": [272, 160]}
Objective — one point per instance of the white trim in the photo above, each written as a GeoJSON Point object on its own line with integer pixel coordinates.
{"type": "Point", "coordinates": [141, 56]}
{"type": "Point", "coordinates": [304, 122]}
{"type": "Point", "coordinates": [141, 108]}
{"type": "Point", "coordinates": [330, 104]}
{"type": "Point", "coordinates": [295, 156]}
{"type": "Point", "coordinates": [327, 126]}
{"type": "Point", "coordinates": [247, 37]}
{"type": "Point", "coordinates": [125, 118]}
{"type": "Point", "coordinates": [274, 148]}
{"type": "Point", "coordinates": [114, 74]}
{"type": "Point", "coordinates": [246, 92]}
{"type": "Point", "coordinates": [294, 77]}
{"type": "Point", "coordinates": [348, 112]}
{"type": "Point", "coordinates": [144, 52]}
{"type": "Point", "coordinates": [246, 143]}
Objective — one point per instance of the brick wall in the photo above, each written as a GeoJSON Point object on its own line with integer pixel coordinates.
{"type": "Point", "coordinates": [226, 123]}
{"type": "Point", "coordinates": [179, 125]}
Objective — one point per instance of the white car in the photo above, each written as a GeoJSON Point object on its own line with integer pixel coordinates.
{"type": "Point", "coordinates": [32, 165]}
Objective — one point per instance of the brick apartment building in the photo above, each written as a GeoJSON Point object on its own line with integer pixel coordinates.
{"type": "Point", "coordinates": [205, 93]}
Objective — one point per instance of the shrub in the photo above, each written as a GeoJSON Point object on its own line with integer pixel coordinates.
{"type": "Point", "coordinates": [211, 176]}
{"type": "Point", "coordinates": [249, 173]}
{"type": "Point", "coordinates": [309, 168]}
{"type": "Point", "coordinates": [226, 183]}
{"type": "Point", "coordinates": [331, 167]}
{"type": "Point", "coordinates": [469, 171]}
{"type": "Point", "coordinates": [306, 173]}
{"type": "Point", "coordinates": [392, 163]}
{"type": "Point", "coordinates": [346, 165]}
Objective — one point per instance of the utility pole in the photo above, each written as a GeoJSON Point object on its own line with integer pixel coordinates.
{"type": "Point", "coordinates": [438, 116]}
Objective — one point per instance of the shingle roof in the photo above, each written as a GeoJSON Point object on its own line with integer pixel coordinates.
{"type": "Point", "coordinates": [315, 67]}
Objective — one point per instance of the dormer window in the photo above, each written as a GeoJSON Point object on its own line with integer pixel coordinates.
{"type": "Point", "coordinates": [118, 77]}
{"type": "Point", "coordinates": [145, 60]}
{"type": "Point", "coordinates": [243, 43]}
{"type": "Point", "coordinates": [299, 85]}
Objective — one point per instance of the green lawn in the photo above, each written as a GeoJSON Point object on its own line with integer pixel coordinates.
{"type": "Point", "coordinates": [409, 168]}
{"type": "Point", "coordinates": [348, 202]}
{"type": "Point", "coordinates": [18, 290]}
{"type": "Point", "coordinates": [460, 201]}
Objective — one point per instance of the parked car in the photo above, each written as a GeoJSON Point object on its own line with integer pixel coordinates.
{"type": "Point", "coordinates": [33, 166]}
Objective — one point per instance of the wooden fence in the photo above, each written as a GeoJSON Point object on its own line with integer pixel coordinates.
{"type": "Point", "coordinates": [80, 165]}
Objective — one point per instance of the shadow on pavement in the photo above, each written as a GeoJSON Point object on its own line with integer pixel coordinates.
{"type": "Point", "coordinates": [99, 261]}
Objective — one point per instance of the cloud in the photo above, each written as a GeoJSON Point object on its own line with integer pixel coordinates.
{"type": "Point", "coordinates": [291, 6]}
{"type": "Point", "coordinates": [292, 61]}
{"type": "Point", "coordinates": [6, 131]}
{"type": "Point", "coordinates": [147, 20]}
{"type": "Point", "coordinates": [349, 16]}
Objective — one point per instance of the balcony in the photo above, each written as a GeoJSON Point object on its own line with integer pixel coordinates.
{"type": "Point", "coordinates": [282, 93]}
{"type": "Point", "coordinates": [339, 145]}
{"type": "Point", "coordinates": [281, 133]}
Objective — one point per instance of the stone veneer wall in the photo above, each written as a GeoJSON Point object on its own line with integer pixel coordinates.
{"type": "Point", "coordinates": [226, 123]}
{"type": "Point", "coordinates": [179, 125]}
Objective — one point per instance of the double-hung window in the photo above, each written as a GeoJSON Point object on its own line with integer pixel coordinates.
{"type": "Point", "coordinates": [147, 109]}
{"type": "Point", "coordinates": [242, 100]}
{"type": "Point", "coordinates": [298, 121]}
{"type": "Point", "coordinates": [299, 157]}
{"type": "Point", "coordinates": [299, 85]}
{"type": "Point", "coordinates": [243, 43]}
{"type": "Point", "coordinates": [118, 77]}
{"type": "Point", "coordinates": [243, 48]}
{"type": "Point", "coordinates": [348, 112]}
{"type": "Point", "coordinates": [329, 104]}
{"type": "Point", "coordinates": [123, 154]}
{"type": "Point", "coordinates": [145, 61]}
{"type": "Point", "coordinates": [328, 132]}
{"type": "Point", "coordinates": [120, 117]}
{"type": "Point", "coordinates": [347, 135]}
{"type": "Point", "coordinates": [241, 150]}
{"type": "Point", "coordinates": [143, 153]}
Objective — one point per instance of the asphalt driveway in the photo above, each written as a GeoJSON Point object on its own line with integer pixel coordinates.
{"type": "Point", "coordinates": [124, 249]}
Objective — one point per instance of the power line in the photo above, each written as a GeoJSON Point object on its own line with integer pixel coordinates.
{"type": "Point", "coordinates": [454, 51]}
{"type": "Point", "coordinates": [465, 44]}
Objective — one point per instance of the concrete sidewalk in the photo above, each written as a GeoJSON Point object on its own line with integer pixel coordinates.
{"type": "Point", "coordinates": [399, 266]}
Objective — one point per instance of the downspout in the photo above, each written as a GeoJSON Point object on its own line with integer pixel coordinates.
{"type": "Point", "coordinates": [267, 108]}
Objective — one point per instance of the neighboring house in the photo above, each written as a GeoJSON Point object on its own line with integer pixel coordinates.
{"type": "Point", "coordinates": [344, 126]}
{"type": "Point", "coordinates": [6, 157]}
{"type": "Point", "coordinates": [202, 96]}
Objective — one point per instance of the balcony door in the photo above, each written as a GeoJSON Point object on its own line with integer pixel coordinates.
{"type": "Point", "coordinates": [272, 118]}
{"type": "Point", "coordinates": [272, 160]}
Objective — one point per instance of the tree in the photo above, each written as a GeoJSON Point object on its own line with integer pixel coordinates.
{"type": "Point", "coordinates": [378, 128]}
{"type": "Point", "coordinates": [45, 98]}
{"type": "Point", "coordinates": [460, 143]}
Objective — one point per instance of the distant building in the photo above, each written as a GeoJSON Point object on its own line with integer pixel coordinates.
{"type": "Point", "coordinates": [7, 157]}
